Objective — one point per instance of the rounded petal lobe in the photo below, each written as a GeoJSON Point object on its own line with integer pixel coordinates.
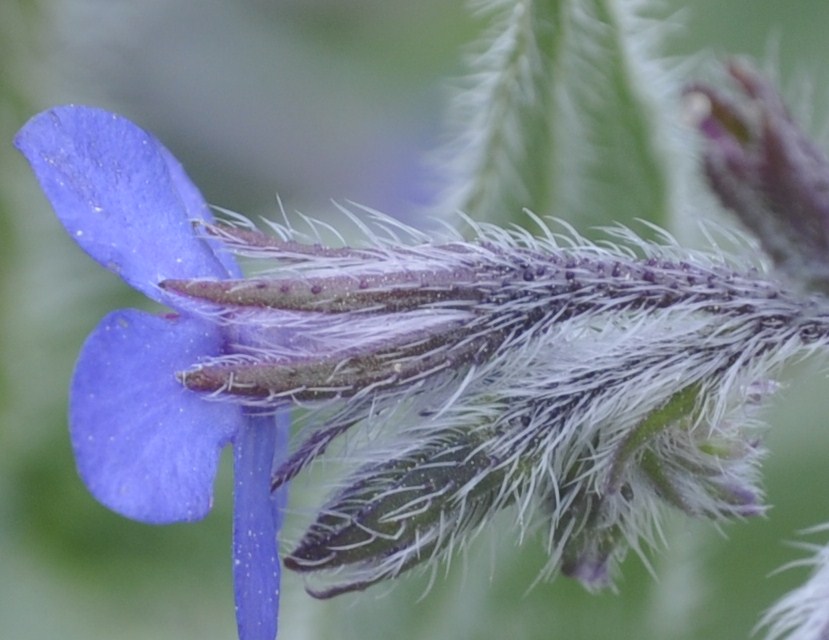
{"type": "Point", "coordinates": [121, 195]}
{"type": "Point", "coordinates": [257, 450]}
{"type": "Point", "coordinates": [146, 447]}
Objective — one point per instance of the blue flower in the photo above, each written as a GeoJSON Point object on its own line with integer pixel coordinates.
{"type": "Point", "coordinates": [147, 447]}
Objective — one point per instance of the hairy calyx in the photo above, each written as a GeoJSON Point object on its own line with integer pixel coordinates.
{"type": "Point", "coordinates": [583, 386]}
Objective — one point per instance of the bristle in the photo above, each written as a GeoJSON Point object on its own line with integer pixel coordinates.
{"type": "Point", "coordinates": [599, 383]}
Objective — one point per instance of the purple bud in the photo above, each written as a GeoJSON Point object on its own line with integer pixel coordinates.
{"type": "Point", "coordinates": [591, 569]}
{"type": "Point", "coordinates": [768, 172]}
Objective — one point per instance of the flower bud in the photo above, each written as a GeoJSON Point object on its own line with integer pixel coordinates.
{"type": "Point", "coordinates": [394, 515]}
{"type": "Point", "coordinates": [767, 171]}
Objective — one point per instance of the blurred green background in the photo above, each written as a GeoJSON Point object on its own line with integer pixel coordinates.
{"type": "Point", "coordinates": [312, 100]}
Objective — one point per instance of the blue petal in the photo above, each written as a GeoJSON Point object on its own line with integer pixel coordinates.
{"type": "Point", "coordinates": [196, 209]}
{"type": "Point", "coordinates": [146, 447]}
{"type": "Point", "coordinates": [257, 448]}
{"type": "Point", "coordinates": [120, 194]}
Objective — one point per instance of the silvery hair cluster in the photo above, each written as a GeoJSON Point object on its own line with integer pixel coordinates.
{"type": "Point", "coordinates": [582, 385]}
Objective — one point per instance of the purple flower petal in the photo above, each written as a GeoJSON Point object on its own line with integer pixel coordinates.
{"type": "Point", "coordinates": [257, 519]}
{"type": "Point", "coordinates": [145, 446]}
{"type": "Point", "coordinates": [120, 194]}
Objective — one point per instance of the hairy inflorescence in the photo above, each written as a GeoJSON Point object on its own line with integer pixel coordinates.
{"type": "Point", "coordinates": [583, 385]}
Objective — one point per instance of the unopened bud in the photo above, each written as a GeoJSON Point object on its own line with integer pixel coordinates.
{"type": "Point", "coordinates": [394, 515]}
{"type": "Point", "coordinates": [767, 171]}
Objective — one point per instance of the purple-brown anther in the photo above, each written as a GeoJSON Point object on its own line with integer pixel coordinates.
{"type": "Point", "coordinates": [768, 172]}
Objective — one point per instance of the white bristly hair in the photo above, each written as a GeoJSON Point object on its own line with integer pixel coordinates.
{"type": "Point", "coordinates": [802, 613]}
{"type": "Point", "coordinates": [582, 385]}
